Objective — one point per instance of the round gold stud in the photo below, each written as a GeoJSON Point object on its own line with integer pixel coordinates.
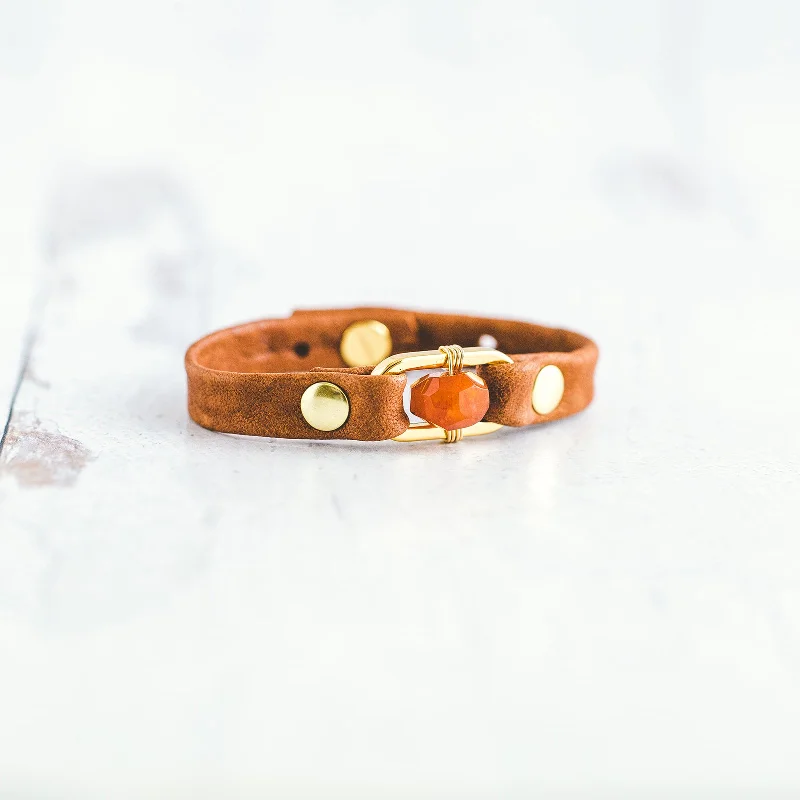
{"type": "Point", "coordinates": [325, 406]}
{"type": "Point", "coordinates": [365, 343]}
{"type": "Point", "coordinates": [548, 389]}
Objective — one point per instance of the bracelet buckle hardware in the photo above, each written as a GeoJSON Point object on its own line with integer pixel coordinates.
{"type": "Point", "coordinates": [434, 359]}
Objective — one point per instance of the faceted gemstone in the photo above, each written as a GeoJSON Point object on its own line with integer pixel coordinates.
{"type": "Point", "coordinates": [450, 401]}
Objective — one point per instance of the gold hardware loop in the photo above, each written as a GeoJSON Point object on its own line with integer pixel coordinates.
{"type": "Point", "coordinates": [438, 359]}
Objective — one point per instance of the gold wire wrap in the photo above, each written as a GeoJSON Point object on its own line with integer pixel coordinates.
{"type": "Point", "coordinates": [454, 361]}
{"type": "Point", "coordinates": [454, 355]}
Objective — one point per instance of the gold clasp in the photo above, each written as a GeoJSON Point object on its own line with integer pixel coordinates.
{"type": "Point", "coordinates": [437, 359]}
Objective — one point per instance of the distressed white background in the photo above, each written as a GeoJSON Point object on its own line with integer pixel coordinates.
{"type": "Point", "coordinates": [613, 607]}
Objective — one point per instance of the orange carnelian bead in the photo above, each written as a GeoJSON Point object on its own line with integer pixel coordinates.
{"type": "Point", "coordinates": [450, 401]}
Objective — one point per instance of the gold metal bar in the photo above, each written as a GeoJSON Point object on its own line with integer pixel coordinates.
{"type": "Point", "coordinates": [422, 432]}
{"type": "Point", "coordinates": [434, 359]}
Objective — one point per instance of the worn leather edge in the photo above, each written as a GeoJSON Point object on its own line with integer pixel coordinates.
{"type": "Point", "coordinates": [511, 385]}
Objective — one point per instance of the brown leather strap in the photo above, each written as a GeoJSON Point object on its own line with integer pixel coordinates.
{"type": "Point", "coordinates": [249, 379]}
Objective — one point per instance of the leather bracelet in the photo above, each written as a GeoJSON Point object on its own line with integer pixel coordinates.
{"type": "Point", "coordinates": [332, 375]}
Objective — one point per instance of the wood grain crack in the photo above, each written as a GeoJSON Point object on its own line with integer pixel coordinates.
{"type": "Point", "coordinates": [23, 369]}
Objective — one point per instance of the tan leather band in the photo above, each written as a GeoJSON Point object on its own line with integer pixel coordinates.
{"type": "Point", "coordinates": [250, 379]}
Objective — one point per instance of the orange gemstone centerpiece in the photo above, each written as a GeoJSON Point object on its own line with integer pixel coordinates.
{"type": "Point", "coordinates": [450, 401]}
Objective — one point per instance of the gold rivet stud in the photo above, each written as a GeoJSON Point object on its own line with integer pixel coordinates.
{"type": "Point", "coordinates": [325, 406]}
{"type": "Point", "coordinates": [548, 389]}
{"type": "Point", "coordinates": [365, 343]}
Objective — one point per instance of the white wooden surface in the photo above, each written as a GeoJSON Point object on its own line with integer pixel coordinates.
{"type": "Point", "coordinates": [613, 607]}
